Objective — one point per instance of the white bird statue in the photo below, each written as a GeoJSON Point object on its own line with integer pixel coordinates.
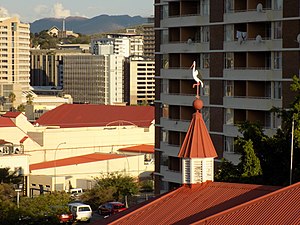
{"type": "Point", "coordinates": [196, 78]}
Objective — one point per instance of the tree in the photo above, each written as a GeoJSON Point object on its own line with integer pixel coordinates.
{"type": "Point", "coordinates": [21, 108]}
{"type": "Point", "coordinates": [249, 166]}
{"type": "Point", "coordinates": [12, 99]}
{"type": "Point", "coordinates": [112, 186]}
{"type": "Point", "coordinates": [8, 208]}
{"type": "Point", "coordinates": [9, 177]}
{"type": "Point", "coordinates": [29, 98]}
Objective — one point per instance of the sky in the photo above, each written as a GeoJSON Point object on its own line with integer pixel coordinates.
{"type": "Point", "coordinates": [30, 10]}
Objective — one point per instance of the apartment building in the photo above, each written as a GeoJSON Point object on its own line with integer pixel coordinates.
{"type": "Point", "coordinates": [246, 53]}
{"type": "Point", "coordinates": [14, 52]}
{"type": "Point", "coordinates": [139, 83]}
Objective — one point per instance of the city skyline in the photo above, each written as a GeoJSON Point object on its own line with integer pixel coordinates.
{"type": "Point", "coordinates": [31, 10]}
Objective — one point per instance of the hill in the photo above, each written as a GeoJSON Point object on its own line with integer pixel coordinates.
{"type": "Point", "coordinates": [98, 24]}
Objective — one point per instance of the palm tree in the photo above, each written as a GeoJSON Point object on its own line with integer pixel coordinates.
{"type": "Point", "coordinates": [29, 98]}
{"type": "Point", "coordinates": [12, 98]}
{"type": "Point", "coordinates": [9, 177]}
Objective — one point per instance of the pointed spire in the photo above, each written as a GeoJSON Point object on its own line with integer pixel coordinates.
{"type": "Point", "coordinates": [197, 142]}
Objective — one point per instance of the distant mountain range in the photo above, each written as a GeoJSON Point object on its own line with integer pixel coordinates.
{"type": "Point", "coordinates": [98, 24]}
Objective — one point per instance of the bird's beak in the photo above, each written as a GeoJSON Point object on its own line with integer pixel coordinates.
{"type": "Point", "coordinates": [192, 66]}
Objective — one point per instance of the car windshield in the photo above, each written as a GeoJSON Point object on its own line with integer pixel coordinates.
{"type": "Point", "coordinates": [81, 209]}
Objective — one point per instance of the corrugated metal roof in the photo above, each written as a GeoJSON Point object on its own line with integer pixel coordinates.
{"type": "Point", "coordinates": [88, 115]}
{"type": "Point", "coordinates": [279, 207]}
{"type": "Point", "coordinates": [74, 160]}
{"type": "Point", "coordinates": [6, 122]}
{"type": "Point", "coordinates": [197, 142]}
{"type": "Point", "coordinates": [139, 148]}
{"type": "Point", "coordinates": [189, 204]}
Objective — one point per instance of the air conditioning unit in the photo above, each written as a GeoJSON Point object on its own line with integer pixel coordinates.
{"type": "Point", "coordinates": [259, 7]}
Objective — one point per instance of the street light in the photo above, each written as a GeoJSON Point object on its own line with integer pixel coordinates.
{"type": "Point", "coordinates": [62, 143]}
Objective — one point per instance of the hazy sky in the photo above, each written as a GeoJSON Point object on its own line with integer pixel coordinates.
{"type": "Point", "coordinates": [31, 10]}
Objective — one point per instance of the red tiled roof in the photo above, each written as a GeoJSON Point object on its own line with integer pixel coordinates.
{"type": "Point", "coordinates": [139, 148]}
{"type": "Point", "coordinates": [279, 207]}
{"type": "Point", "coordinates": [6, 122]}
{"type": "Point", "coordinates": [11, 114]}
{"type": "Point", "coordinates": [74, 160]}
{"type": "Point", "coordinates": [197, 142]}
{"type": "Point", "coordinates": [186, 204]}
{"type": "Point", "coordinates": [88, 115]}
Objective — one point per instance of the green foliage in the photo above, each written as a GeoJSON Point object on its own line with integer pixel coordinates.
{"type": "Point", "coordinates": [147, 185]}
{"type": "Point", "coordinates": [44, 205]}
{"type": "Point", "coordinates": [227, 172]}
{"type": "Point", "coordinates": [9, 177]}
{"type": "Point", "coordinates": [109, 187]}
{"type": "Point", "coordinates": [249, 165]}
{"type": "Point", "coordinates": [29, 98]}
{"type": "Point", "coordinates": [46, 41]}
{"type": "Point", "coordinates": [21, 108]}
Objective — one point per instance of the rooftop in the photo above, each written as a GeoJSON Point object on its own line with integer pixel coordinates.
{"type": "Point", "coordinates": [74, 160]}
{"type": "Point", "coordinates": [139, 148]}
{"type": "Point", "coordinates": [88, 115]}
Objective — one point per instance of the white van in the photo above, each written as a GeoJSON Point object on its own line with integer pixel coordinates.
{"type": "Point", "coordinates": [80, 211]}
{"type": "Point", "coordinates": [76, 191]}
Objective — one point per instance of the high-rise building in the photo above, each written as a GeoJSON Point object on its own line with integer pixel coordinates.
{"type": "Point", "coordinates": [149, 38]}
{"type": "Point", "coordinates": [246, 53]}
{"type": "Point", "coordinates": [95, 79]}
{"type": "Point", "coordinates": [45, 65]}
{"type": "Point", "coordinates": [14, 52]}
{"type": "Point", "coordinates": [139, 84]}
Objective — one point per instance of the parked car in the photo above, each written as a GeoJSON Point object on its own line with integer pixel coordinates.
{"type": "Point", "coordinates": [63, 214]}
{"type": "Point", "coordinates": [81, 211]}
{"type": "Point", "coordinates": [111, 208]}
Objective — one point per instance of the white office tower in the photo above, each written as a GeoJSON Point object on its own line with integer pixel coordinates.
{"type": "Point", "coordinates": [115, 79]}
{"type": "Point", "coordinates": [14, 51]}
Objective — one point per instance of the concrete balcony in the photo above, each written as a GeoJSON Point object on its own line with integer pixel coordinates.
{"type": "Point", "coordinates": [251, 103]}
{"type": "Point", "coordinates": [170, 150]}
{"type": "Point", "coordinates": [184, 21]}
{"type": "Point", "coordinates": [175, 125]}
{"type": "Point", "coordinates": [182, 99]}
{"type": "Point", "coordinates": [170, 175]}
{"type": "Point", "coordinates": [252, 16]}
{"type": "Point", "coordinates": [181, 73]}
{"type": "Point", "coordinates": [249, 45]}
{"type": "Point", "coordinates": [252, 74]}
{"type": "Point", "coordinates": [184, 47]}
{"type": "Point", "coordinates": [230, 130]}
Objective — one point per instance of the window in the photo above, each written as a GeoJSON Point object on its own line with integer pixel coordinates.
{"type": "Point", "coordinates": [277, 90]}
{"type": "Point", "coordinates": [229, 6]}
{"type": "Point", "coordinates": [229, 113]}
{"type": "Point", "coordinates": [229, 88]}
{"type": "Point", "coordinates": [278, 30]}
{"type": "Point", "coordinates": [205, 89]}
{"type": "Point", "coordinates": [277, 60]}
{"type": "Point", "coordinates": [229, 144]}
{"type": "Point", "coordinates": [205, 60]}
{"type": "Point", "coordinates": [278, 4]}
{"type": "Point", "coordinates": [204, 7]}
{"type": "Point", "coordinates": [229, 60]}
{"type": "Point", "coordinates": [205, 34]}
{"type": "Point", "coordinates": [229, 32]}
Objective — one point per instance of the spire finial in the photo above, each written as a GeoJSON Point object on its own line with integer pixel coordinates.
{"type": "Point", "coordinates": [196, 78]}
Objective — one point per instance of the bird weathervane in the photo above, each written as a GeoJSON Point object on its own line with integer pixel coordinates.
{"type": "Point", "coordinates": [196, 78]}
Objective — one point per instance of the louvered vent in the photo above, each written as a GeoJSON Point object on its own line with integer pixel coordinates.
{"type": "Point", "coordinates": [198, 171]}
{"type": "Point", "coordinates": [209, 170]}
{"type": "Point", "coordinates": [187, 171]}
